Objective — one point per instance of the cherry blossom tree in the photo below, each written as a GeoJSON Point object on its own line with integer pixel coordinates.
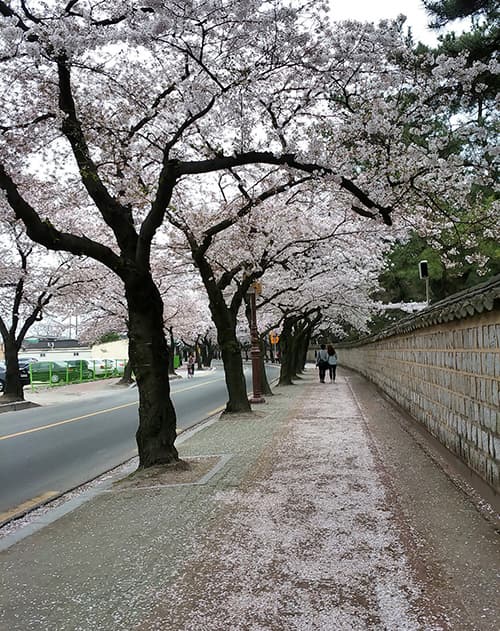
{"type": "Point", "coordinates": [323, 296]}
{"type": "Point", "coordinates": [114, 107]}
{"type": "Point", "coordinates": [309, 237]}
{"type": "Point", "coordinates": [32, 282]}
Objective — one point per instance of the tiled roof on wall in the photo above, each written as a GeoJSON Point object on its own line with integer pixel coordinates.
{"type": "Point", "coordinates": [472, 301]}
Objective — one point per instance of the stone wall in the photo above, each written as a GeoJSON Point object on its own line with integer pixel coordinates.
{"type": "Point", "coordinates": [443, 366]}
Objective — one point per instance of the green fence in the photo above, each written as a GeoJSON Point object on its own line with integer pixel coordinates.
{"type": "Point", "coordinates": [74, 371]}
{"type": "Point", "coordinates": [78, 370]}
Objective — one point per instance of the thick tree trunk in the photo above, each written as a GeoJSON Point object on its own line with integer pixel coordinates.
{"type": "Point", "coordinates": [13, 390]}
{"type": "Point", "coordinates": [230, 352]}
{"type": "Point", "coordinates": [233, 368]}
{"type": "Point", "coordinates": [207, 353]}
{"type": "Point", "coordinates": [286, 369]}
{"type": "Point", "coordinates": [225, 323]}
{"type": "Point", "coordinates": [149, 357]}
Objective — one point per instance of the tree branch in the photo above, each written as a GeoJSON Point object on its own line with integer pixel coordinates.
{"type": "Point", "coordinates": [46, 234]}
{"type": "Point", "coordinates": [117, 216]}
{"type": "Point", "coordinates": [287, 159]}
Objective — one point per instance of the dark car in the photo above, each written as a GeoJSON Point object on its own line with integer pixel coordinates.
{"type": "Point", "coordinates": [23, 373]}
{"type": "Point", "coordinates": [80, 369]}
{"type": "Point", "coordinates": [52, 372]}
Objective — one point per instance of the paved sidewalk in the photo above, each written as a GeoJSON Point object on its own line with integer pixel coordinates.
{"type": "Point", "coordinates": [320, 511]}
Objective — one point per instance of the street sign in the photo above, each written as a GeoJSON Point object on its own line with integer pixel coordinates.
{"type": "Point", "coordinates": [257, 287]}
{"type": "Point", "coordinates": [274, 338]}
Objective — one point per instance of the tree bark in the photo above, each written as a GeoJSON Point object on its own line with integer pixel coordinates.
{"type": "Point", "coordinates": [233, 369]}
{"type": "Point", "coordinates": [298, 352]}
{"type": "Point", "coordinates": [286, 369]}
{"type": "Point", "coordinates": [14, 390]}
{"type": "Point", "coordinates": [305, 345]}
{"type": "Point", "coordinates": [149, 357]}
{"type": "Point", "coordinates": [207, 352]}
{"type": "Point", "coordinates": [126, 379]}
{"type": "Point", "coordinates": [171, 352]}
{"type": "Point", "coordinates": [225, 322]}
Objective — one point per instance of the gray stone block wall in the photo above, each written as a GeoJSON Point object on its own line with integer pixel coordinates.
{"type": "Point", "coordinates": [447, 376]}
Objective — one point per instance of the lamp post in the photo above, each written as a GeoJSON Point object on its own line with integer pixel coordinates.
{"type": "Point", "coordinates": [255, 350]}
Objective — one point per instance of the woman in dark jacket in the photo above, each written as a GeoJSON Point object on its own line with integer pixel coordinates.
{"type": "Point", "coordinates": [322, 362]}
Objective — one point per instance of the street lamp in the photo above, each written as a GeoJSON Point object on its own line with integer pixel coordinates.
{"type": "Point", "coordinates": [257, 397]}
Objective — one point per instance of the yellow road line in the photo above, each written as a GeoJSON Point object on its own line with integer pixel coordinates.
{"type": "Point", "coordinates": [69, 420]}
{"type": "Point", "coordinates": [79, 418]}
{"type": "Point", "coordinates": [26, 506]}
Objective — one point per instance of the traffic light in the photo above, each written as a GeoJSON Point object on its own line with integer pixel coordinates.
{"type": "Point", "coordinates": [423, 269]}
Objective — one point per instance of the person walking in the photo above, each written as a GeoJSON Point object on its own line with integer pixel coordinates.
{"type": "Point", "coordinates": [332, 362]}
{"type": "Point", "coordinates": [322, 362]}
{"type": "Point", "coordinates": [190, 366]}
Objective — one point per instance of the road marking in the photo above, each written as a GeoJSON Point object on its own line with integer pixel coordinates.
{"type": "Point", "coordinates": [26, 506]}
{"type": "Point", "coordinates": [194, 386]}
{"type": "Point", "coordinates": [69, 420]}
{"type": "Point", "coordinates": [79, 418]}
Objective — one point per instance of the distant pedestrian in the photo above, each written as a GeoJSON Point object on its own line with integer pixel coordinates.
{"type": "Point", "coordinates": [322, 362]}
{"type": "Point", "coordinates": [332, 362]}
{"type": "Point", "coordinates": [190, 366]}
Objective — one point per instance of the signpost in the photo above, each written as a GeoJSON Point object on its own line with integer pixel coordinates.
{"type": "Point", "coordinates": [274, 338]}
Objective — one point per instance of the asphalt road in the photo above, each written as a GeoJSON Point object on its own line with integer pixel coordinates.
{"type": "Point", "coordinates": [46, 451]}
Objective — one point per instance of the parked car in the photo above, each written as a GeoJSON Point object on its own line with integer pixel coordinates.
{"type": "Point", "coordinates": [119, 365]}
{"type": "Point", "coordinates": [23, 373]}
{"type": "Point", "coordinates": [52, 372]}
{"type": "Point", "coordinates": [80, 369]}
{"type": "Point", "coordinates": [102, 367]}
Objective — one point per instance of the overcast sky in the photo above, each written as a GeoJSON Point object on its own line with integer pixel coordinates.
{"type": "Point", "coordinates": [375, 10]}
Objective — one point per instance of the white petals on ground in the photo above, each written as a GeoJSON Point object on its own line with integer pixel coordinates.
{"type": "Point", "coordinates": [310, 543]}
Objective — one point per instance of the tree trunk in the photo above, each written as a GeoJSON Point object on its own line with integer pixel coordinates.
{"type": "Point", "coordinates": [207, 352]}
{"type": "Point", "coordinates": [225, 323]}
{"type": "Point", "coordinates": [126, 379]}
{"type": "Point", "coordinates": [233, 369]}
{"type": "Point", "coordinates": [298, 346]}
{"type": "Point", "coordinates": [171, 352]}
{"type": "Point", "coordinates": [286, 369]}
{"type": "Point", "coordinates": [149, 357]}
{"type": "Point", "coordinates": [13, 390]}
{"type": "Point", "coordinates": [230, 352]}
{"type": "Point", "coordinates": [198, 358]}
{"type": "Point", "coordinates": [305, 347]}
